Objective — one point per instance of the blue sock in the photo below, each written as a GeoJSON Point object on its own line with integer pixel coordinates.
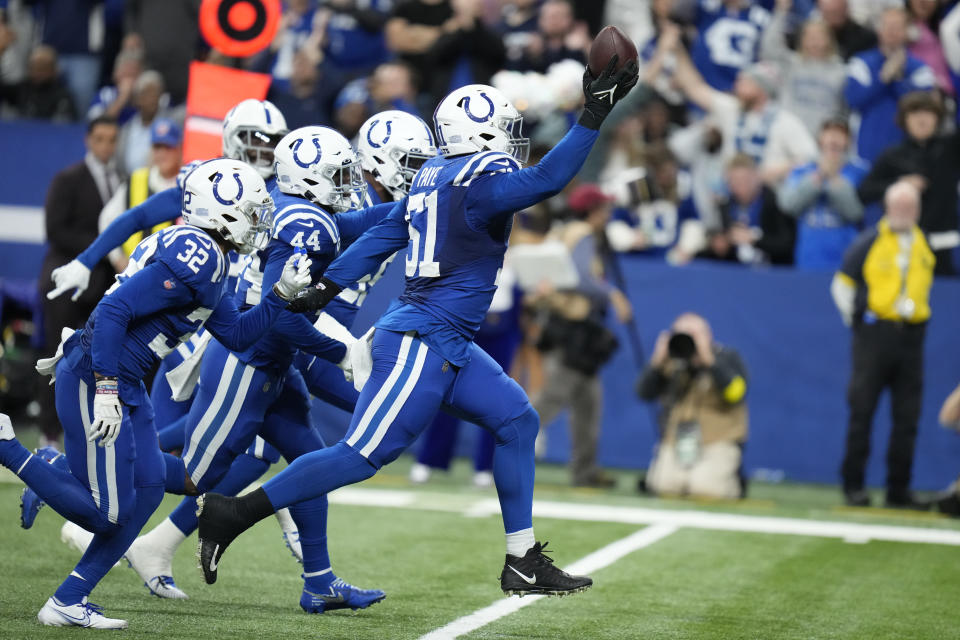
{"type": "Point", "coordinates": [514, 468]}
{"type": "Point", "coordinates": [57, 487]}
{"type": "Point", "coordinates": [184, 515]}
{"type": "Point", "coordinates": [106, 549]}
{"type": "Point", "coordinates": [171, 436]}
{"type": "Point", "coordinates": [73, 589]}
{"type": "Point", "coordinates": [176, 482]}
{"type": "Point", "coordinates": [13, 454]}
{"type": "Point", "coordinates": [311, 519]}
{"type": "Point", "coordinates": [318, 473]}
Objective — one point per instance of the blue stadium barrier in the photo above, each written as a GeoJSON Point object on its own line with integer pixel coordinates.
{"type": "Point", "coordinates": [797, 352]}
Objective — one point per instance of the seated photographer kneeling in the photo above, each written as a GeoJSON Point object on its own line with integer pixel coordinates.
{"type": "Point", "coordinates": [701, 387]}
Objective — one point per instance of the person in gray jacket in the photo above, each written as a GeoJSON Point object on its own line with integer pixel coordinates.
{"type": "Point", "coordinates": [813, 76]}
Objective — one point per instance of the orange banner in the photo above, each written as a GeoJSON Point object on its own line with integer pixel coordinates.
{"type": "Point", "coordinates": [212, 92]}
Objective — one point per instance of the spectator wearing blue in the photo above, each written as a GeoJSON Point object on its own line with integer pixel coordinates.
{"type": "Point", "coordinates": [728, 38]}
{"type": "Point", "coordinates": [116, 100]}
{"type": "Point", "coordinates": [69, 26]}
{"type": "Point", "coordinates": [298, 28]}
{"type": "Point", "coordinates": [877, 79]}
{"type": "Point", "coordinates": [354, 42]}
{"type": "Point", "coordinates": [822, 196]}
{"type": "Point", "coordinates": [518, 28]}
{"type": "Point", "coordinates": [755, 231]}
{"type": "Point", "coordinates": [391, 86]}
{"type": "Point", "coordinates": [654, 201]}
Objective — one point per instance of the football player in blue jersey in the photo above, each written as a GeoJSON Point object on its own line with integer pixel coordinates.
{"type": "Point", "coordinates": [173, 286]}
{"type": "Point", "coordinates": [455, 224]}
{"type": "Point", "coordinates": [250, 131]}
{"type": "Point", "coordinates": [392, 146]}
{"type": "Point", "coordinates": [257, 390]}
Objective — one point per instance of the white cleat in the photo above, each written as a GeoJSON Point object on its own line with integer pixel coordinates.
{"type": "Point", "coordinates": [6, 428]}
{"type": "Point", "coordinates": [291, 536]}
{"type": "Point", "coordinates": [76, 537]}
{"type": "Point", "coordinates": [419, 473]}
{"type": "Point", "coordinates": [82, 614]}
{"type": "Point", "coordinates": [155, 569]}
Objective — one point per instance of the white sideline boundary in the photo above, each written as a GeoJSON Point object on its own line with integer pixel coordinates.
{"type": "Point", "coordinates": [714, 521]}
{"type": "Point", "coordinates": [599, 559]}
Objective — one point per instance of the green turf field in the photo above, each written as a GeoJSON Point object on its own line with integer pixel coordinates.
{"type": "Point", "coordinates": [439, 552]}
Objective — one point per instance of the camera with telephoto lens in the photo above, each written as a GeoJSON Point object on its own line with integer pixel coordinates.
{"type": "Point", "coordinates": [681, 346]}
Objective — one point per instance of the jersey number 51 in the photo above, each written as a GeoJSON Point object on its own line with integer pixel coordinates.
{"type": "Point", "coordinates": [422, 219]}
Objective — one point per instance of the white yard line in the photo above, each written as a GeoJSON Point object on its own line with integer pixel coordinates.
{"type": "Point", "coordinates": [603, 557]}
{"type": "Point", "coordinates": [715, 521]}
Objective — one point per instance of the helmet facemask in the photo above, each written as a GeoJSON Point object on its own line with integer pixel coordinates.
{"type": "Point", "coordinates": [409, 163]}
{"type": "Point", "coordinates": [259, 222]}
{"type": "Point", "coordinates": [346, 187]}
{"type": "Point", "coordinates": [256, 148]}
{"type": "Point", "coordinates": [517, 145]}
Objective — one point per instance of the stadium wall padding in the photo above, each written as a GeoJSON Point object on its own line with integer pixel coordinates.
{"type": "Point", "coordinates": [782, 321]}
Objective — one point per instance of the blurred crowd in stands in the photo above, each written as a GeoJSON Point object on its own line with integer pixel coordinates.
{"type": "Point", "coordinates": [765, 131]}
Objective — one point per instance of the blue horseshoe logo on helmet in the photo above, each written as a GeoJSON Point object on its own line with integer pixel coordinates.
{"type": "Point", "coordinates": [306, 165]}
{"type": "Point", "coordinates": [216, 185]}
{"type": "Point", "coordinates": [466, 108]}
{"type": "Point", "coordinates": [370, 134]}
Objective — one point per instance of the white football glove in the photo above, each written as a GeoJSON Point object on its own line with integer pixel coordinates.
{"type": "Point", "coordinates": [73, 275]}
{"type": "Point", "coordinates": [107, 413]}
{"type": "Point", "coordinates": [361, 359]}
{"type": "Point", "coordinates": [295, 276]}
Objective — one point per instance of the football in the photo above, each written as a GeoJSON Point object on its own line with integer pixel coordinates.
{"type": "Point", "coordinates": [608, 42]}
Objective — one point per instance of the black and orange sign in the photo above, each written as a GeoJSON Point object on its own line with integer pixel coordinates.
{"type": "Point", "coordinates": [239, 28]}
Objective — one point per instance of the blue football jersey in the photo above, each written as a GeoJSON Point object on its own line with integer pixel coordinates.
{"type": "Point", "coordinates": [453, 258]}
{"type": "Point", "coordinates": [175, 308]}
{"type": "Point", "coordinates": [344, 307]}
{"type": "Point", "coordinates": [455, 224]}
{"type": "Point", "coordinates": [298, 225]}
{"type": "Point", "coordinates": [728, 39]}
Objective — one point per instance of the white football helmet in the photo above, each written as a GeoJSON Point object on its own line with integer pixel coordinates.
{"type": "Point", "coordinates": [478, 117]}
{"type": "Point", "coordinates": [319, 164]}
{"type": "Point", "coordinates": [251, 130]}
{"type": "Point", "coordinates": [229, 197]}
{"type": "Point", "coordinates": [392, 146]}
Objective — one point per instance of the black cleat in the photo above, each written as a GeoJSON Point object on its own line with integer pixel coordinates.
{"type": "Point", "coordinates": [218, 524]}
{"type": "Point", "coordinates": [534, 573]}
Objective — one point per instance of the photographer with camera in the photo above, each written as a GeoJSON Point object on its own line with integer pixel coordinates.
{"type": "Point", "coordinates": [701, 386]}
